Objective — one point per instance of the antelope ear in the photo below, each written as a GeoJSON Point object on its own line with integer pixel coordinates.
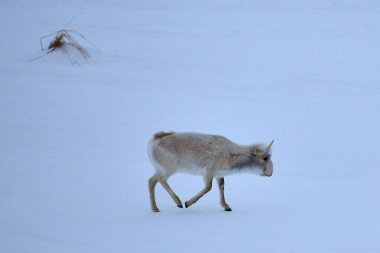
{"type": "Point", "coordinates": [270, 145]}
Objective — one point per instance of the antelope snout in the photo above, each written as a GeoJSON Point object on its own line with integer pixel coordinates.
{"type": "Point", "coordinates": [266, 175]}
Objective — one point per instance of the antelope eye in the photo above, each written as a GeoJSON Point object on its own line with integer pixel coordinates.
{"type": "Point", "coordinates": [265, 158]}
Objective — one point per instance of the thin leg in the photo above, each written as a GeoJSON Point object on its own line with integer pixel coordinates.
{"type": "Point", "coordinates": [221, 192]}
{"type": "Point", "coordinates": [174, 196]}
{"type": "Point", "coordinates": [152, 185]}
{"type": "Point", "coordinates": [205, 190]}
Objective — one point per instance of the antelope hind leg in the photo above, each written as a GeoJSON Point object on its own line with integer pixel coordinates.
{"type": "Point", "coordinates": [152, 182]}
{"type": "Point", "coordinates": [174, 196]}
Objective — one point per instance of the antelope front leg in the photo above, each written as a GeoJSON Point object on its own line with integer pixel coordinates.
{"type": "Point", "coordinates": [221, 192]}
{"type": "Point", "coordinates": [205, 190]}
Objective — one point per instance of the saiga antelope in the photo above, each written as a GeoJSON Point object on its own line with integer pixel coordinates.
{"type": "Point", "coordinates": [210, 156]}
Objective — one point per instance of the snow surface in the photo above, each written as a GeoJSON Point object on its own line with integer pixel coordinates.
{"type": "Point", "coordinates": [73, 163]}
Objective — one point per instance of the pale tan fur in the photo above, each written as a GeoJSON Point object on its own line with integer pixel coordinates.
{"type": "Point", "coordinates": [160, 135]}
{"type": "Point", "coordinates": [210, 156]}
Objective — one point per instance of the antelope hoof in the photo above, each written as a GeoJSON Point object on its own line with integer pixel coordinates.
{"type": "Point", "coordinates": [228, 209]}
{"type": "Point", "coordinates": [186, 205]}
{"type": "Point", "coordinates": [155, 210]}
{"type": "Point", "coordinates": [180, 206]}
